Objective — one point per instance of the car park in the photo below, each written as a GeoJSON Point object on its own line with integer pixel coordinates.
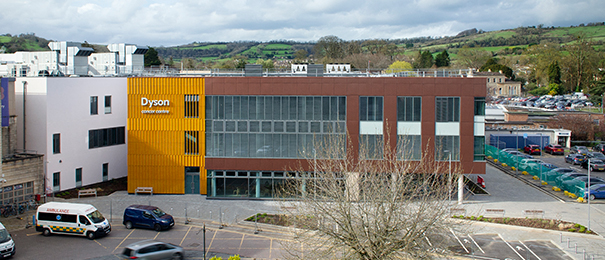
{"type": "Point", "coordinates": [145, 216]}
{"type": "Point", "coordinates": [71, 219]}
{"type": "Point", "coordinates": [529, 164]}
{"type": "Point", "coordinates": [574, 158]}
{"type": "Point", "coordinates": [152, 249]}
{"type": "Point", "coordinates": [595, 165]}
{"type": "Point", "coordinates": [532, 149]}
{"type": "Point", "coordinates": [554, 149]}
{"type": "Point", "coordinates": [596, 191]}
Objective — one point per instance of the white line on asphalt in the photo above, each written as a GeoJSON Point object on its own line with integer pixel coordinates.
{"type": "Point", "coordinates": [485, 257]}
{"type": "Point", "coordinates": [476, 244]}
{"type": "Point", "coordinates": [511, 247]}
{"type": "Point", "coordinates": [460, 241]}
{"type": "Point", "coordinates": [180, 244]}
{"type": "Point", "coordinates": [532, 252]}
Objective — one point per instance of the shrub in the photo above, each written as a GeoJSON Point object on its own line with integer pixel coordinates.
{"type": "Point", "coordinates": [235, 257]}
{"type": "Point", "coordinates": [480, 218]}
{"type": "Point", "coordinates": [572, 230]}
{"type": "Point", "coordinates": [472, 217]}
{"type": "Point", "coordinates": [582, 229]}
{"type": "Point", "coordinates": [216, 258]}
{"type": "Point", "coordinates": [577, 225]}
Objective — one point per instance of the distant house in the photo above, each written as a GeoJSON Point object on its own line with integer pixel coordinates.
{"type": "Point", "coordinates": [498, 84]}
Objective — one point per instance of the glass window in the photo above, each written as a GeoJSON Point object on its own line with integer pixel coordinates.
{"type": "Point", "coordinates": [371, 146]}
{"type": "Point", "coordinates": [444, 145]}
{"type": "Point", "coordinates": [105, 171]}
{"type": "Point", "coordinates": [191, 143]}
{"type": "Point", "coordinates": [56, 143]}
{"type": "Point", "coordinates": [479, 148]}
{"type": "Point", "coordinates": [479, 106]}
{"type": "Point", "coordinates": [447, 109]}
{"type": "Point", "coordinates": [106, 137]}
{"type": "Point", "coordinates": [409, 147]}
{"type": "Point", "coordinates": [408, 109]}
{"type": "Point", "coordinates": [78, 177]}
{"type": "Point", "coordinates": [94, 105]}
{"type": "Point", "coordinates": [192, 104]}
{"type": "Point", "coordinates": [107, 104]}
{"type": "Point", "coordinates": [57, 181]}
{"type": "Point", "coordinates": [370, 108]}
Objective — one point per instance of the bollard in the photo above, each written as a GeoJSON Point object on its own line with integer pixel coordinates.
{"type": "Point", "coordinates": [576, 247]}
{"type": "Point", "coordinates": [198, 213]}
{"type": "Point", "coordinates": [186, 218]}
{"type": "Point", "coordinates": [110, 212]}
{"type": "Point", "coordinates": [561, 235]}
{"type": "Point", "coordinates": [568, 244]}
{"type": "Point", "coordinates": [583, 254]}
{"type": "Point", "coordinates": [255, 224]}
{"type": "Point", "coordinates": [171, 211]}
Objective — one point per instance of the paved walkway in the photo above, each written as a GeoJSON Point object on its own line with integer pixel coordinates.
{"type": "Point", "coordinates": [506, 193]}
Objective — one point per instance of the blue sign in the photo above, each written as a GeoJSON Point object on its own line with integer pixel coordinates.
{"type": "Point", "coordinates": [58, 217]}
{"type": "Point", "coordinates": [525, 135]}
{"type": "Point", "coordinates": [4, 98]}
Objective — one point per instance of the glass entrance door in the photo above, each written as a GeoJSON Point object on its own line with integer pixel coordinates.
{"type": "Point", "coordinates": [192, 180]}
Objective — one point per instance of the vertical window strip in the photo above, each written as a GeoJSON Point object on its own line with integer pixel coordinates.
{"type": "Point", "coordinates": [191, 142]}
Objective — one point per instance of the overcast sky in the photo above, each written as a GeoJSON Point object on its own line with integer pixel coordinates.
{"type": "Point", "coordinates": [169, 23]}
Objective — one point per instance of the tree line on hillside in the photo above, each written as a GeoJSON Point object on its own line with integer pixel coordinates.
{"type": "Point", "coordinates": [22, 42]}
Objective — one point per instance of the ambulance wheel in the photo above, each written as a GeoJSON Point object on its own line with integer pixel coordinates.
{"type": "Point", "coordinates": [46, 232]}
{"type": "Point", "coordinates": [90, 235]}
{"type": "Point", "coordinates": [128, 225]}
{"type": "Point", "coordinates": [157, 227]}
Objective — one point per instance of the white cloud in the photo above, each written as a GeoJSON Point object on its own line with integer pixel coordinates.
{"type": "Point", "coordinates": [168, 23]}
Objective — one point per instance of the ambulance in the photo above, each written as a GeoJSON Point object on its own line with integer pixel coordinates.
{"type": "Point", "coordinates": [71, 219]}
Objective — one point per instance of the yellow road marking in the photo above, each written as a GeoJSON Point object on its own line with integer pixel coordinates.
{"type": "Point", "coordinates": [156, 235]}
{"type": "Point", "coordinates": [211, 240]}
{"type": "Point", "coordinates": [241, 242]}
{"type": "Point", "coordinates": [100, 244]}
{"type": "Point", "coordinates": [185, 236]}
{"type": "Point", "coordinates": [122, 241]}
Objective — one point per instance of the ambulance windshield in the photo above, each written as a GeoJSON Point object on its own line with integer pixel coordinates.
{"type": "Point", "coordinates": [96, 217]}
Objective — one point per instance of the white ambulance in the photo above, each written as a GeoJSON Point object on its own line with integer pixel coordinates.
{"type": "Point", "coordinates": [7, 245]}
{"type": "Point", "coordinates": [72, 219]}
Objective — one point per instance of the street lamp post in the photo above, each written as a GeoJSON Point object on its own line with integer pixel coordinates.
{"type": "Point", "coordinates": [587, 192]}
{"type": "Point", "coordinates": [449, 176]}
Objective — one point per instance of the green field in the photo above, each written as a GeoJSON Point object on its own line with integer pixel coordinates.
{"type": "Point", "coordinates": [278, 47]}
{"type": "Point", "coordinates": [206, 47]}
{"type": "Point", "coordinates": [4, 39]}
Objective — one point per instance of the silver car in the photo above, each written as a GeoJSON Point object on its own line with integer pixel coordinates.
{"type": "Point", "coordinates": [152, 249]}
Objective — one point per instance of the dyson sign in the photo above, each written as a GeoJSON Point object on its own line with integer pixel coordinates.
{"type": "Point", "coordinates": [154, 103]}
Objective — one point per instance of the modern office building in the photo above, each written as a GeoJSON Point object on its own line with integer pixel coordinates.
{"type": "Point", "coordinates": [78, 124]}
{"type": "Point", "coordinates": [238, 136]}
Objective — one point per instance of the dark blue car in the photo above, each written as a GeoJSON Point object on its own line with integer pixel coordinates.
{"type": "Point", "coordinates": [147, 217]}
{"type": "Point", "coordinates": [597, 191]}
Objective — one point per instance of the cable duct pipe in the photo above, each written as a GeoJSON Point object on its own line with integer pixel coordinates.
{"type": "Point", "coordinates": [24, 94]}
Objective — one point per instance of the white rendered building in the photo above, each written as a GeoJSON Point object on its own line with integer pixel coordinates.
{"type": "Point", "coordinates": [79, 124]}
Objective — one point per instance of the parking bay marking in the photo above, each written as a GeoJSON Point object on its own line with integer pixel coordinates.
{"type": "Point", "coordinates": [184, 236]}
{"type": "Point", "coordinates": [114, 250]}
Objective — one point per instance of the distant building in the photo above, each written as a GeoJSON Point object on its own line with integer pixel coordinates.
{"type": "Point", "coordinates": [498, 84]}
{"type": "Point", "coordinates": [70, 58]}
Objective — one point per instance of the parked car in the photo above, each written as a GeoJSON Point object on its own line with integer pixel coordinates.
{"type": "Point", "coordinates": [532, 149]}
{"type": "Point", "coordinates": [597, 191]}
{"type": "Point", "coordinates": [581, 181]}
{"type": "Point", "coordinates": [554, 149]}
{"type": "Point", "coordinates": [554, 173]}
{"type": "Point", "coordinates": [595, 155]}
{"type": "Point", "coordinates": [144, 216]}
{"type": "Point", "coordinates": [574, 158]}
{"type": "Point", "coordinates": [599, 148]}
{"type": "Point", "coordinates": [579, 149]}
{"type": "Point", "coordinates": [529, 164]}
{"type": "Point", "coordinates": [595, 165]}
{"type": "Point", "coordinates": [152, 249]}
{"type": "Point", "coordinates": [568, 176]}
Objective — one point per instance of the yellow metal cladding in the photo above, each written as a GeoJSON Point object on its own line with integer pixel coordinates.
{"type": "Point", "coordinates": [156, 133]}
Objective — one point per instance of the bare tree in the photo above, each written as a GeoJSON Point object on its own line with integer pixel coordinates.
{"type": "Point", "coordinates": [375, 203]}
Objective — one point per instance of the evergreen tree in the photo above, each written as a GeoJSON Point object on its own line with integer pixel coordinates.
{"type": "Point", "coordinates": [442, 59]}
{"type": "Point", "coordinates": [554, 73]}
{"type": "Point", "coordinates": [151, 58]}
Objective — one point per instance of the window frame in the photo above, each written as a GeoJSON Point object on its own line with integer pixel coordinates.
{"type": "Point", "coordinates": [56, 143]}
{"type": "Point", "coordinates": [94, 105]}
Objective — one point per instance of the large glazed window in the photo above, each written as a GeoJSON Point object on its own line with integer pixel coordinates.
{"type": "Point", "coordinates": [191, 142]}
{"type": "Point", "coordinates": [446, 145]}
{"type": "Point", "coordinates": [106, 137]}
{"type": "Point", "coordinates": [271, 126]}
{"type": "Point", "coordinates": [192, 106]}
{"type": "Point", "coordinates": [408, 109]}
{"type": "Point", "coordinates": [479, 106]}
{"type": "Point", "coordinates": [447, 109]}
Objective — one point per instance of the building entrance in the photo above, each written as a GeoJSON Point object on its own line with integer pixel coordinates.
{"type": "Point", "coordinates": [192, 180]}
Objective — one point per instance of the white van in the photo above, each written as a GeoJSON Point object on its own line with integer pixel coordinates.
{"type": "Point", "coordinates": [7, 245]}
{"type": "Point", "coordinates": [72, 219]}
